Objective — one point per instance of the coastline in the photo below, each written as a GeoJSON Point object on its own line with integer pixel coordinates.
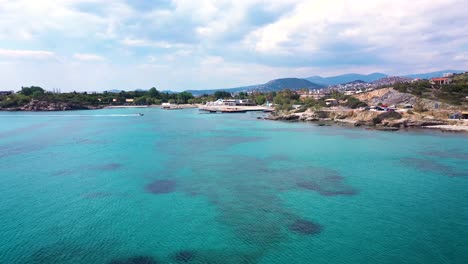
{"type": "Point", "coordinates": [457, 129]}
{"type": "Point", "coordinates": [41, 106]}
{"type": "Point", "coordinates": [449, 128]}
{"type": "Point", "coordinates": [343, 117]}
{"type": "Point", "coordinates": [382, 121]}
{"type": "Point", "coordinates": [46, 106]}
{"type": "Point", "coordinates": [125, 106]}
{"type": "Point", "coordinates": [171, 107]}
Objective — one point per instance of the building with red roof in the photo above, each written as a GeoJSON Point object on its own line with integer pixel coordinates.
{"type": "Point", "coordinates": [440, 81]}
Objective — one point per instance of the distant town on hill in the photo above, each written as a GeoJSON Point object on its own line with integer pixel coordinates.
{"type": "Point", "coordinates": [318, 82]}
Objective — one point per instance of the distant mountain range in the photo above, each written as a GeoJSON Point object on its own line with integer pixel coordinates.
{"type": "Point", "coordinates": [317, 82]}
{"type": "Point", "coordinates": [356, 82]}
{"type": "Point", "coordinates": [431, 74]}
{"type": "Point", "coordinates": [113, 91]}
{"type": "Point", "coordinates": [274, 85]}
{"type": "Point", "coordinates": [351, 77]}
{"type": "Point", "coordinates": [346, 78]}
{"type": "Point", "coordinates": [140, 90]}
{"type": "Point", "coordinates": [231, 90]}
{"type": "Point", "coordinates": [314, 82]}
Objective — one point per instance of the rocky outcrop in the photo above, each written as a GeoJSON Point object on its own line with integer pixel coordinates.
{"type": "Point", "coordinates": [390, 96]}
{"type": "Point", "coordinates": [363, 123]}
{"type": "Point", "coordinates": [386, 116]}
{"type": "Point", "coordinates": [388, 121]}
{"type": "Point", "coordinates": [36, 105]}
{"type": "Point", "coordinates": [285, 117]}
{"type": "Point", "coordinates": [387, 96]}
{"type": "Point", "coordinates": [420, 123]}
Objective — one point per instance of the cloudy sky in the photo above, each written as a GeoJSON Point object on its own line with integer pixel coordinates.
{"type": "Point", "coordinates": [96, 45]}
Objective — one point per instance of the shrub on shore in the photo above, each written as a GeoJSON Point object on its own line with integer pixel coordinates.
{"type": "Point", "coordinates": [353, 102]}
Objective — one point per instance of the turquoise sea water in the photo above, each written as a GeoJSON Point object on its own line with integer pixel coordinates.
{"type": "Point", "coordinates": [184, 187]}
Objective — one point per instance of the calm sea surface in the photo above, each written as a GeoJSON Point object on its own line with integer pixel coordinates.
{"type": "Point", "coordinates": [185, 187]}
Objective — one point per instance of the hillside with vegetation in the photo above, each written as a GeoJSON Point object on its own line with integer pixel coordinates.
{"type": "Point", "coordinates": [454, 93]}
{"type": "Point", "coordinates": [35, 98]}
{"type": "Point", "coordinates": [286, 83]}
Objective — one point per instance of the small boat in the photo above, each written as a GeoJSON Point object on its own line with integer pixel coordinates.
{"type": "Point", "coordinates": [140, 114]}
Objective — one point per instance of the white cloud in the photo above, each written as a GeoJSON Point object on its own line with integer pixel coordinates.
{"type": "Point", "coordinates": [88, 57]}
{"type": "Point", "coordinates": [212, 60]}
{"type": "Point", "coordinates": [104, 76]}
{"type": "Point", "coordinates": [27, 54]}
{"type": "Point", "coordinates": [24, 20]}
{"type": "Point", "coordinates": [149, 43]}
{"type": "Point", "coordinates": [384, 23]}
{"type": "Point", "coordinates": [462, 57]}
{"type": "Point", "coordinates": [232, 42]}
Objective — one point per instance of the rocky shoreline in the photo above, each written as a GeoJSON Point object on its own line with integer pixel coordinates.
{"type": "Point", "coordinates": [386, 121]}
{"type": "Point", "coordinates": [36, 105]}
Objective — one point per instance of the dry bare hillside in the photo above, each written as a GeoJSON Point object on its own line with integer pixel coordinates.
{"type": "Point", "coordinates": [390, 96]}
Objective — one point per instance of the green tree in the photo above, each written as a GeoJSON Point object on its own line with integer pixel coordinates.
{"type": "Point", "coordinates": [141, 100]}
{"type": "Point", "coordinates": [222, 94]}
{"type": "Point", "coordinates": [183, 97]}
{"type": "Point", "coordinates": [260, 99]}
{"type": "Point", "coordinates": [242, 95]}
{"type": "Point", "coordinates": [353, 102]}
{"type": "Point", "coordinates": [286, 97]}
{"type": "Point", "coordinates": [154, 93]}
{"type": "Point", "coordinates": [29, 91]}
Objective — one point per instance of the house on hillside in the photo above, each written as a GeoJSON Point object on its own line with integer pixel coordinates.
{"type": "Point", "coordinates": [441, 81]}
{"type": "Point", "coordinates": [303, 92]}
{"type": "Point", "coordinates": [318, 95]}
{"type": "Point", "coordinates": [331, 102]}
